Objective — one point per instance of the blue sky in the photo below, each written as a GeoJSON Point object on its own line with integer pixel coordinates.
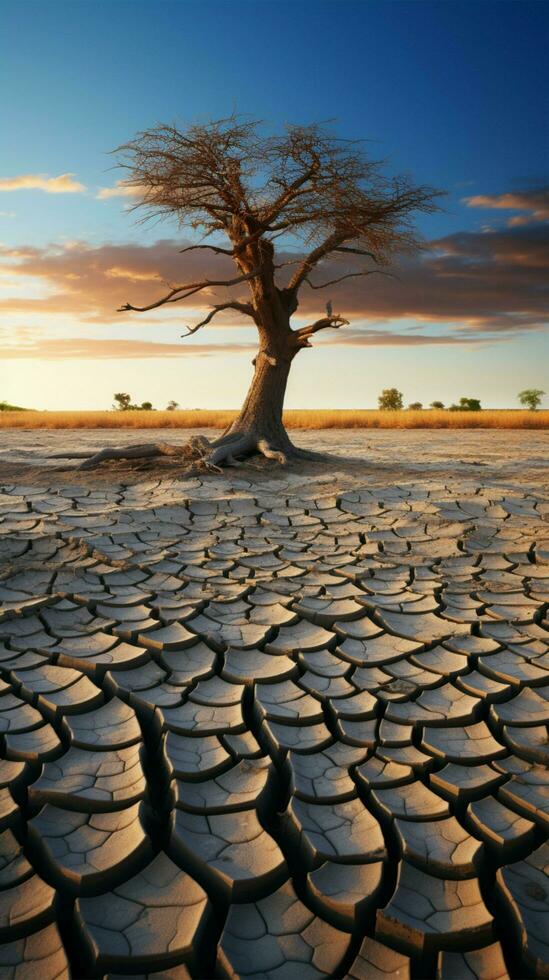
{"type": "Point", "coordinates": [451, 92]}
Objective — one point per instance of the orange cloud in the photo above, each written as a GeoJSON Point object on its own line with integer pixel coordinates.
{"type": "Point", "coordinates": [91, 283]}
{"type": "Point", "coordinates": [64, 184]}
{"type": "Point", "coordinates": [390, 338]}
{"type": "Point", "coordinates": [534, 202]}
{"type": "Point", "coordinates": [28, 343]}
{"type": "Point", "coordinates": [490, 282]}
{"type": "Point", "coordinates": [87, 348]}
{"type": "Point", "coordinates": [131, 275]}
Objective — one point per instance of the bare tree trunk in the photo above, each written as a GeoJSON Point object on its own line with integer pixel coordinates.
{"type": "Point", "coordinates": [261, 414]}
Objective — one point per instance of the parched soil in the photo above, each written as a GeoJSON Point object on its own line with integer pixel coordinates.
{"type": "Point", "coordinates": [512, 458]}
{"type": "Point", "coordinates": [276, 722]}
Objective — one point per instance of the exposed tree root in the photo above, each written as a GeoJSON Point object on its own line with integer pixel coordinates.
{"type": "Point", "coordinates": [142, 451]}
{"type": "Point", "coordinates": [200, 454]}
{"type": "Point", "coordinates": [230, 447]}
{"type": "Point", "coordinates": [270, 452]}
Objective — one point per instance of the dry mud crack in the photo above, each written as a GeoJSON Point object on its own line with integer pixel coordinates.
{"type": "Point", "coordinates": [260, 731]}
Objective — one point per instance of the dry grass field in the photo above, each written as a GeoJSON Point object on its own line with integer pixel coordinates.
{"type": "Point", "coordinates": [297, 419]}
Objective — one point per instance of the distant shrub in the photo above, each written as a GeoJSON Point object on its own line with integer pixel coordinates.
{"type": "Point", "coordinates": [466, 405]}
{"type": "Point", "coordinates": [439, 405]}
{"type": "Point", "coordinates": [415, 406]}
{"type": "Point", "coordinates": [390, 400]}
{"type": "Point", "coordinates": [123, 403]}
{"type": "Point", "coordinates": [531, 398]}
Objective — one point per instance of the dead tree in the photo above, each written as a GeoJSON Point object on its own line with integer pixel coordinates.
{"type": "Point", "coordinates": [312, 192]}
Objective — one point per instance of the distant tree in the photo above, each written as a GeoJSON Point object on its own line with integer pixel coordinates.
{"type": "Point", "coordinates": [390, 400]}
{"type": "Point", "coordinates": [415, 406]}
{"type": "Point", "coordinates": [531, 398]}
{"type": "Point", "coordinates": [122, 401]}
{"type": "Point", "coordinates": [467, 405]}
{"type": "Point", "coordinates": [172, 406]}
{"type": "Point", "coordinates": [437, 405]}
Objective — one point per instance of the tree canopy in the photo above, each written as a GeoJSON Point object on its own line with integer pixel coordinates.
{"type": "Point", "coordinates": [226, 177]}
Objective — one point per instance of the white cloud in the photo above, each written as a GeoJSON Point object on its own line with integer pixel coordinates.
{"type": "Point", "coordinates": [120, 189]}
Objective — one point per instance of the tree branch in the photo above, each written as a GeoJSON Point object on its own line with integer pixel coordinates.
{"type": "Point", "coordinates": [349, 275]}
{"type": "Point", "coordinates": [325, 323]}
{"type": "Point", "coordinates": [245, 308]}
{"type": "Point", "coordinates": [232, 252]}
{"type": "Point", "coordinates": [214, 248]}
{"type": "Point", "coordinates": [289, 193]}
{"type": "Point", "coordinates": [188, 290]}
{"type": "Point", "coordinates": [328, 245]}
{"type": "Point", "coordinates": [282, 265]}
{"type": "Point", "coordinates": [356, 251]}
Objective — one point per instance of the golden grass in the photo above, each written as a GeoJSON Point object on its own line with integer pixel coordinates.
{"type": "Point", "coordinates": [295, 419]}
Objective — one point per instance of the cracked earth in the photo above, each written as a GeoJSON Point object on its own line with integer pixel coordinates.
{"type": "Point", "coordinates": [276, 725]}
